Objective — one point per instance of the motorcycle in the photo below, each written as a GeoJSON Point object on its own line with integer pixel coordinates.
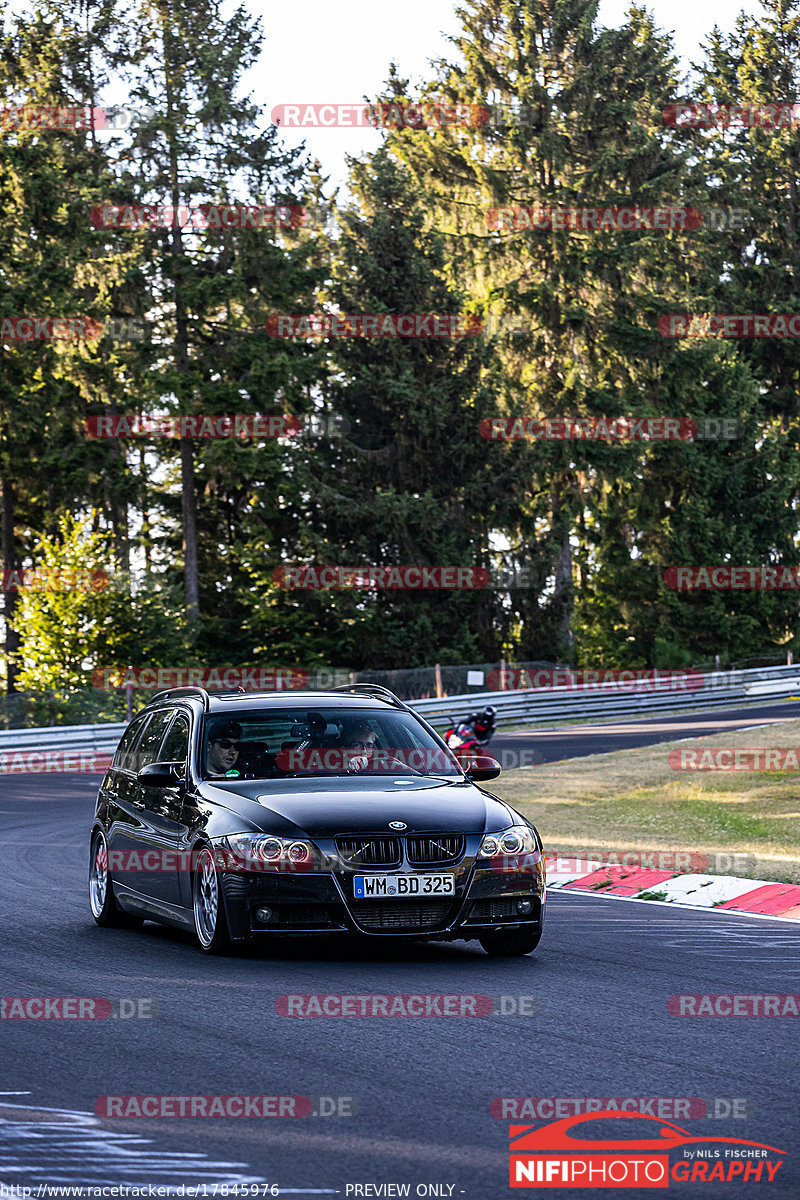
{"type": "Point", "coordinates": [469, 737]}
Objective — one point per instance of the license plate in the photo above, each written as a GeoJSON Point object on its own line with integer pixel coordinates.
{"type": "Point", "coordinates": [389, 887]}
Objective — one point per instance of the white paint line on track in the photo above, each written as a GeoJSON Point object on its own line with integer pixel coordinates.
{"type": "Point", "coordinates": [63, 1147]}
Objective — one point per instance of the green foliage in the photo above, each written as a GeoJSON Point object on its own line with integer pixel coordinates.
{"type": "Point", "coordinates": [192, 532]}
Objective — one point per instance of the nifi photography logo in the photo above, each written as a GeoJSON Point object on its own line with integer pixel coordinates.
{"type": "Point", "coordinates": [651, 1153]}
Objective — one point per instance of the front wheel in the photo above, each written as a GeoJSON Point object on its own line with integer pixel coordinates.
{"type": "Point", "coordinates": [102, 900]}
{"type": "Point", "coordinates": [511, 945]}
{"type": "Point", "coordinates": [210, 922]}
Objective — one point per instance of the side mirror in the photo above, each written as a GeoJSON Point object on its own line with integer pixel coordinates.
{"type": "Point", "coordinates": [482, 767]}
{"type": "Point", "coordinates": [161, 775]}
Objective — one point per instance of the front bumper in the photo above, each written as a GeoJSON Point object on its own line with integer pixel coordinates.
{"type": "Point", "coordinates": [490, 896]}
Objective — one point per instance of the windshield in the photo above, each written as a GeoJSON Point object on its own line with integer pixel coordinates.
{"type": "Point", "coordinates": [278, 742]}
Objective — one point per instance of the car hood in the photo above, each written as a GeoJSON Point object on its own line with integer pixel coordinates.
{"type": "Point", "coordinates": [326, 807]}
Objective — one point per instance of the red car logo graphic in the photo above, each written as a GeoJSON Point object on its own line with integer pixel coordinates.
{"type": "Point", "coordinates": [552, 1156]}
{"type": "Point", "coordinates": [556, 1136]}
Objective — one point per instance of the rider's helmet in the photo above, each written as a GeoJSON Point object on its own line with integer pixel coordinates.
{"type": "Point", "coordinates": [484, 720]}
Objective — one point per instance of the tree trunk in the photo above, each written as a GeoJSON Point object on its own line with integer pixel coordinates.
{"type": "Point", "coordinates": [188, 500]}
{"type": "Point", "coordinates": [192, 593]}
{"type": "Point", "coordinates": [9, 564]}
{"type": "Point", "coordinates": [564, 592]}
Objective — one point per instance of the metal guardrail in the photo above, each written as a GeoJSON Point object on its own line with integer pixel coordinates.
{"type": "Point", "coordinates": [609, 700]}
{"type": "Point", "coordinates": [533, 707]}
{"type": "Point", "coordinates": [102, 738]}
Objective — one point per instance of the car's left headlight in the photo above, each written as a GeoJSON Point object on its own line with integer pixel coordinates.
{"type": "Point", "coordinates": [265, 852]}
{"type": "Point", "coordinates": [518, 839]}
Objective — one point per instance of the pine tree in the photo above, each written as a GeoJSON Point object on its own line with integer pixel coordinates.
{"type": "Point", "coordinates": [409, 484]}
{"type": "Point", "coordinates": [215, 287]}
{"type": "Point", "coordinates": [579, 131]}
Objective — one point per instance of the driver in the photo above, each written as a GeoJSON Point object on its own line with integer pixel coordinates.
{"type": "Point", "coordinates": [222, 749]}
{"type": "Point", "coordinates": [360, 739]}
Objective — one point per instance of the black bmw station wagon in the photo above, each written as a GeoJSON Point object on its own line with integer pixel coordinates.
{"type": "Point", "coordinates": [246, 816]}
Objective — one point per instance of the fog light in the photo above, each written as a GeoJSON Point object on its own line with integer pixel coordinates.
{"type": "Point", "coordinates": [524, 907]}
{"type": "Point", "coordinates": [264, 914]}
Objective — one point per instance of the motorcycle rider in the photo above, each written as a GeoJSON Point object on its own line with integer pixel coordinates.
{"type": "Point", "coordinates": [483, 724]}
{"type": "Point", "coordinates": [470, 735]}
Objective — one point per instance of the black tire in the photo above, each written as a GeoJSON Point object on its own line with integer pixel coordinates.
{"type": "Point", "coordinates": [511, 945]}
{"type": "Point", "coordinates": [102, 900]}
{"type": "Point", "coordinates": [208, 909]}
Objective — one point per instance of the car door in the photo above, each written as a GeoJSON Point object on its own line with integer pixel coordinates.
{"type": "Point", "coordinates": [158, 876]}
{"type": "Point", "coordinates": [166, 829]}
{"type": "Point", "coordinates": [123, 796]}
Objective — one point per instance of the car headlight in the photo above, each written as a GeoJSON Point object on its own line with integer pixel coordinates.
{"type": "Point", "coordinates": [519, 839]}
{"type": "Point", "coordinates": [264, 852]}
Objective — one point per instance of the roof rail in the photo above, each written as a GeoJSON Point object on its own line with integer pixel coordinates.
{"type": "Point", "coordinates": [371, 689]}
{"type": "Point", "coordinates": [179, 693]}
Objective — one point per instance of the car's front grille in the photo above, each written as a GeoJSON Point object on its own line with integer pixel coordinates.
{"type": "Point", "coordinates": [503, 908]}
{"type": "Point", "coordinates": [369, 851]}
{"type": "Point", "coordinates": [434, 848]}
{"type": "Point", "coordinates": [401, 914]}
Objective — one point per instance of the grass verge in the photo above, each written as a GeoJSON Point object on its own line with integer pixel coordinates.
{"type": "Point", "coordinates": [634, 800]}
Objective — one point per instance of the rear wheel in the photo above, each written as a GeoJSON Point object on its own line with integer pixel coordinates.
{"type": "Point", "coordinates": [511, 945]}
{"type": "Point", "coordinates": [210, 922]}
{"type": "Point", "coordinates": [102, 901]}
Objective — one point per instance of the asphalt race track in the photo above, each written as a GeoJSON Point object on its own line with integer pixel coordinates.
{"type": "Point", "coordinates": [423, 1086]}
{"type": "Point", "coordinates": [575, 741]}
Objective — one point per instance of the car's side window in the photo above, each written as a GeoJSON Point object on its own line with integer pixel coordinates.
{"type": "Point", "coordinates": [176, 743]}
{"type": "Point", "coordinates": [122, 756]}
{"type": "Point", "coordinates": [147, 750]}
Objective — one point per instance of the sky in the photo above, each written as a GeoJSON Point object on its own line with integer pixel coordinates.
{"type": "Point", "coordinates": [323, 52]}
